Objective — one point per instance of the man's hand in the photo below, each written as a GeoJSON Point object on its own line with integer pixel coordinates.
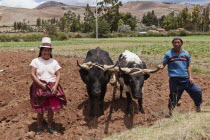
{"type": "Point", "coordinates": [161, 66]}
{"type": "Point", "coordinates": [191, 80]}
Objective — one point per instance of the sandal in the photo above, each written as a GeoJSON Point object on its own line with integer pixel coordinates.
{"type": "Point", "coordinates": [39, 131]}
{"type": "Point", "coordinates": [52, 130]}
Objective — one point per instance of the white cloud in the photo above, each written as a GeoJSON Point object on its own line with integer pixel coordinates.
{"type": "Point", "coordinates": [78, 2]}
{"type": "Point", "coordinates": [19, 3]}
{"type": "Point", "coordinates": [34, 3]}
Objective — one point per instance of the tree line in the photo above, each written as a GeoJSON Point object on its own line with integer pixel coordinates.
{"type": "Point", "coordinates": [111, 20]}
{"type": "Point", "coordinates": [196, 21]}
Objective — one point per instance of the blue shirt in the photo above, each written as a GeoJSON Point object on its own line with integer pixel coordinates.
{"type": "Point", "coordinates": [177, 63]}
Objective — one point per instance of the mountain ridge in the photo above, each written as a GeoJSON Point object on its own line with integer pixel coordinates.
{"type": "Point", "coordinates": [50, 4]}
{"type": "Point", "coordinates": [52, 9]}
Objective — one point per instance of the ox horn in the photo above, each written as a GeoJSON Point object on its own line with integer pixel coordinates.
{"type": "Point", "coordinates": [99, 66]}
{"type": "Point", "coordinates": [111, 67]}
{"type": "Point", "coordinates": [152, 71]}
{"type": "Point", "coordinates": [146, 71]}
{"type": "Point", "coordinates": [125, 70]}
{"type": "Point", "coordinates": [128, 70]}
{"type": "Point", "coordinates": [86, 66]}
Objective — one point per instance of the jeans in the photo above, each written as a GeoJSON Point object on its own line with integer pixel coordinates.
{"type": "Point", "coordinates": [177, 87]}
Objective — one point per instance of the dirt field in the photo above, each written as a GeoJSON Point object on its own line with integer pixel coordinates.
{"type": "Point", "coordinates": [17, 121]}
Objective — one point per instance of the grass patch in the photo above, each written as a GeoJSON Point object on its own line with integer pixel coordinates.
{"type": "Point", "coordinates": [190, 126]}
{"type": "Point", "coordinates": [197, 69]}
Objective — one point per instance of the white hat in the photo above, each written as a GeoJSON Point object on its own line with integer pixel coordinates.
{"type": "Point", "coordinates": [46, 42]}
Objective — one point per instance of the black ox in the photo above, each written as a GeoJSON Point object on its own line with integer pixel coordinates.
{"type": "Point", "coordinates": [94, 73]}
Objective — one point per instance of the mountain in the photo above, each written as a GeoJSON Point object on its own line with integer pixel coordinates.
{"type": "Point", "coordinates": [48, 10]}
{"type": "Point", "coordinates": [9, 15]}
{"type": "Point", "coordinates": [51, 4]}
{"type": "Point", "coordinates": [139, 8]}
{"type": "Point", "coordinates": [206, 5]}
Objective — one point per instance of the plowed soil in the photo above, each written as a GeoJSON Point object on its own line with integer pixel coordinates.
{"type": "Point", "coordinates": [17, 121]}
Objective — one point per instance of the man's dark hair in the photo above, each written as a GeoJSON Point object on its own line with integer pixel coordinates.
{"type": "Point", "coordinates": [177, 38]}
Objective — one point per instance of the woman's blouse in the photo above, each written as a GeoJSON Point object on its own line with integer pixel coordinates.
{"type": "Point", "coordinates": [46, 69]}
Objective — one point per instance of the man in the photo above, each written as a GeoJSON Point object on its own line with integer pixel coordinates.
{"type": "Point", "coordinates": [179, 71]}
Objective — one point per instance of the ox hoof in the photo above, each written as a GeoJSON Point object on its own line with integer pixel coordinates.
{"type": "Point", "coordinates": [128, 113]}
{"type": "Point", "coordinates": [142, 111]}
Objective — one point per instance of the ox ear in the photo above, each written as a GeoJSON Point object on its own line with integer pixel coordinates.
{"type": "Point", "coordinates": [84, 75]}
{"type": "Point", "coordinates": [146, 76]}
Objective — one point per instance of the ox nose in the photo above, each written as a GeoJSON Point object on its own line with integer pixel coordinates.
{"type": "Point", "coordinates": [137, 96]}
{"type": "Point", "coordinates": [97, 91]}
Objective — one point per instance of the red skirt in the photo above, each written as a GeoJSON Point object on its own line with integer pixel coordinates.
{"type": "Point", "coordinates": [52, 103]}
{"type": "Point", "coordinates": [42, 102]}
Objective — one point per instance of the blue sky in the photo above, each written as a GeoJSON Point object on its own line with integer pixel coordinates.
{"type": "Point", "coordinates": [33, 3]}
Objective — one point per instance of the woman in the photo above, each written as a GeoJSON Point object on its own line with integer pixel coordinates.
{"type": "Point", "coordinates": [45, 93]}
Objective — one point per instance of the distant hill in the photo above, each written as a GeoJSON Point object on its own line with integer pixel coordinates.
{"type": "Point", "coordinates": [50, 4]}
{"type": "Point", "coordinates": [47, 10]}
{"type": "Point", "coordinates": [205, 5]}
{"type": "Point", "coordinates": [139, 8]}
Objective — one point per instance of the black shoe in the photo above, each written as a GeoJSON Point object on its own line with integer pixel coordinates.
{"type": "Point", "coordinates": [198, 109]}
{"type": "Point", "coordinates": [52, 130]}
{"type": "Point", "coordinates": [39, 131]}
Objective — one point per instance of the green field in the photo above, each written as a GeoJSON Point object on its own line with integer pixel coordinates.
{"type": "Point", "coordinates": [150, 49]}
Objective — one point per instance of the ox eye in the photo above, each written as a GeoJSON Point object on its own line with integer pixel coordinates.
{"type": "Point", "coordinates": [101, 79]}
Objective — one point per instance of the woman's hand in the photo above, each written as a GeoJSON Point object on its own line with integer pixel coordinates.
{"type": "Point", "coordinates": [44, 87]}
{"type": "Point", "coordinates": [54, 90]}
